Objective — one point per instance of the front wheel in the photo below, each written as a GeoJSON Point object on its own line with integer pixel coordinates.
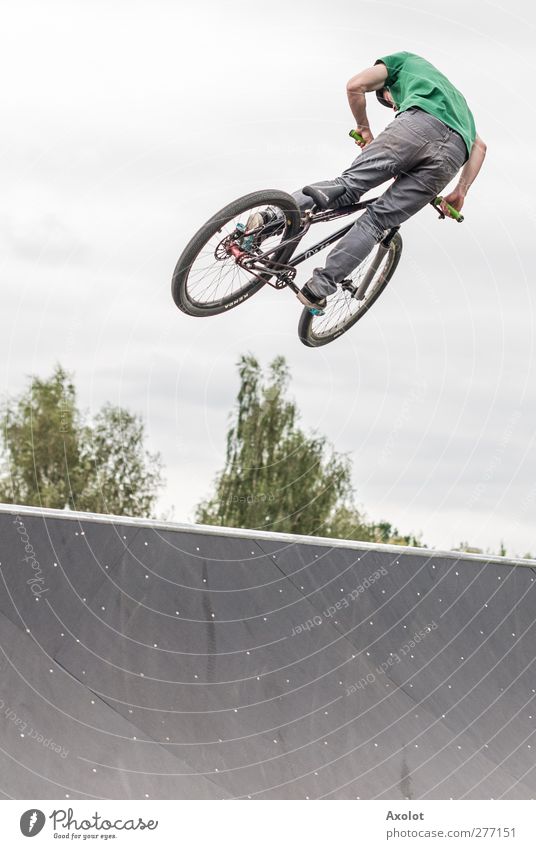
{"type": "Point", "coordinates": [343, 310]}
{"type": "Point", "coordinates": [207, 279]}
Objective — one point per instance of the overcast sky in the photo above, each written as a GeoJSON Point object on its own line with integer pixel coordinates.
{"type": "Point", "coordinates": [127, 124]}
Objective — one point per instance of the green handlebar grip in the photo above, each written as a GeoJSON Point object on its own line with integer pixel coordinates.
{"type": "Point", "coordinates": [454, 212]}
{"type": "Point", "coordinates": [355, 135]}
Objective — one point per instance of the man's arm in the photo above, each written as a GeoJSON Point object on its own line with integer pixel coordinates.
{"type": "Point", "coordinates": [371, 79]}
{"type": "Point", "coordinates": [467, 176]}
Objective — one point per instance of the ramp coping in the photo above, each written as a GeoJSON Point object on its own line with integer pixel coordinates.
{"type": "Point", "coordinates": [240, 533]}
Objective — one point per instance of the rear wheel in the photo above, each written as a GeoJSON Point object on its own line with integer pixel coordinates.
{"type": "Point", "coordinates": [207, 279]}
{"type": "Point", "coordinates": [343, 310]}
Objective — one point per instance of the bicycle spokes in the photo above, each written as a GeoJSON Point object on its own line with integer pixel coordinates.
{"type": "Point", "coordinates": [228, 261]}
{"type": "Point", "coordinates": [351, 296]}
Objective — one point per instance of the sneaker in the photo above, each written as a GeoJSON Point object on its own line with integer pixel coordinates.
{"type": "Point", "coordinates": [310, 299]}
{"type": "Point", "coordinates": [261, 219]}
{"type": "Point", "coordinates": [260, 225]}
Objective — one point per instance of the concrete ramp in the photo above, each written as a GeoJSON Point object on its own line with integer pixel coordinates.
{"type": "Point", "coordinates": [152, 660]}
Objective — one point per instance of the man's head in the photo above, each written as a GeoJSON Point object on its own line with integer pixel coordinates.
{"type": "Point", "coordinates": [384, 96]}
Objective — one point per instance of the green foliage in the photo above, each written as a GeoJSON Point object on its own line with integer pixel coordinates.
{"type": "Point", "coordinates": [467, 548]}
{"type": "Point", "coordinates": [348, 523]}
{"type": "Point", "coordinates": [122, 477]}
{"type": "Point", "coordinates": [40, 434]}
{"type": "Point", "coordinates": [278, 478]}
{"type": "Point", "coordinates": [275, 476]}
{"type": "Point", "coordinates": [502, 552]}
{"type": "Point", "coordinates": [52, 458]}
{"type": "Point", "coordinates": [472, 549]}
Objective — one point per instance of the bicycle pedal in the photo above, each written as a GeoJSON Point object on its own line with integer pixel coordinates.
{"type": "Point", "coordinates": [348, 286]}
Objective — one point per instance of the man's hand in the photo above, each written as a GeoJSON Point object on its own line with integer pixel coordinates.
{"type": "Point", "coordinates": [468, 174]}
{"type": "Point", "coordinates": [367, 136]}
{"type": "Point", "coordinates": [455, 198]}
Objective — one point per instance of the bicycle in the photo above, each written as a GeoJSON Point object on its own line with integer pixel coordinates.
{"type": "Point", "coordinates": [241, 262]}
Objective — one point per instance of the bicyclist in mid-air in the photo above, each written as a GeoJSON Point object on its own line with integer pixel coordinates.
{"type": "Point", "coordinates": [432, 136]}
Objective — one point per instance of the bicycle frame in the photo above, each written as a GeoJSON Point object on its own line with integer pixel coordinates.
{"type": "Point", "coordinates": [286, 272]}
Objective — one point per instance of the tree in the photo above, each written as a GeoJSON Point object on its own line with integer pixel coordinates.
{"type": "Point", "coordinates": [41, 443]}
{"type": "Point", "coordinates": [349, 523]}
{"type": "Point", "coordinates": [275, 476]}
{"type": "Point", "coordinates": [123, 477]}
{"type": "Point", "coordinates": [53, 458]}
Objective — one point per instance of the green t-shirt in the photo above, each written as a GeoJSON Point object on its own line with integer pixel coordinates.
{"type": "Point", "coordinates": [413, 81]}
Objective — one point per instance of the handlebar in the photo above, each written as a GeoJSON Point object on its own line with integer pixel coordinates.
{"type": "Point", "coordinates": [453, 212]}
{"type": "Point", "coordinates": [435, 202]}
{"type": "Point", "coordinates": [355, 135]}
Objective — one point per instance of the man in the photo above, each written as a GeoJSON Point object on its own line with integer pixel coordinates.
{"type": "Point", "coordinates": [432, 136]}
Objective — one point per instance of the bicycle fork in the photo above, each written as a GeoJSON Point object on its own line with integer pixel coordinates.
{"type": "Point", "coordinates": [383, 248]}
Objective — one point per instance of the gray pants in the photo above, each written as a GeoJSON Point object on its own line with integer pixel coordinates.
{"type": "Point", "coordinates": [422, 153]}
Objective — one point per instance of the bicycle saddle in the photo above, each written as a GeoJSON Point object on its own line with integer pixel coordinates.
{"type": "Point", "coordinates": [324, 193]}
